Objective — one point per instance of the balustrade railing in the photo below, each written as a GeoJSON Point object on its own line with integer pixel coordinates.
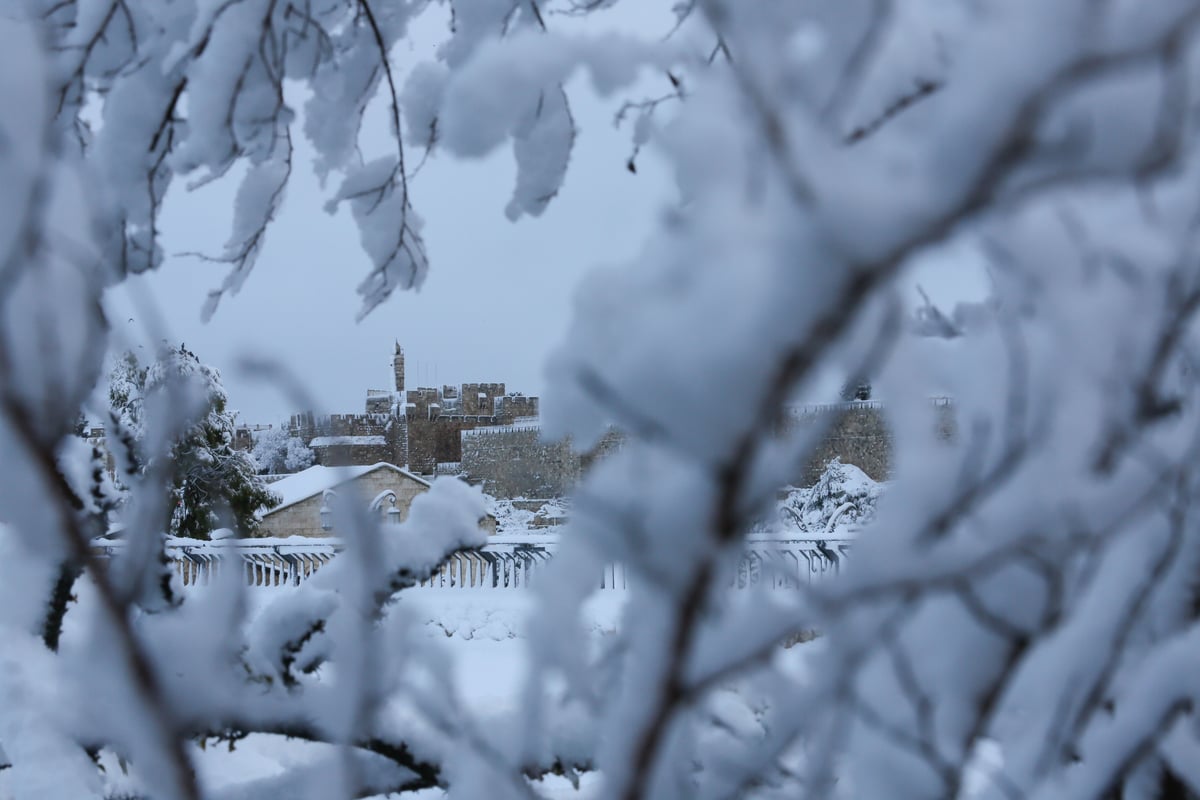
{"type": "Point", "coordinates": [505, 562]}
{"type": "Point", "coordinates": [264, 562]}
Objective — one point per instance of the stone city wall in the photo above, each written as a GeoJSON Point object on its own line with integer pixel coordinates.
{"type": "Point", "coordinates": [515, 462]}
{"type": "Point", "coordinates": [511, 407]}
{"type": "Point", "coordinates": [858, 434]}
{"type": "Point", "coordinates": [307, 426]}
{"type": "Point", "coordinates": [479, 399]}
{"type": "Point", "coordinates": [352, 453]}
{"type": "Point", "coordinates": [438, 440]}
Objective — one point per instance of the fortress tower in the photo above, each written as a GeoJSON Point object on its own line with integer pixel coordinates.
{"type": "Point", "coordinates": [398, 369]}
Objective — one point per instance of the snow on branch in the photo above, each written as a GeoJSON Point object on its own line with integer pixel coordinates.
{"type": "Point", "coordinates": [1016, 619]}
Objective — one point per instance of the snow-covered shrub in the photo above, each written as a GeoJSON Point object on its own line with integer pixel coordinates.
{"type": "Point", "coordinates": [276, 451]}
{"type": "Point", "coordinates": [842, 499]}
{"type": "Point", "coordinates": [520, 516]}
{"type": "Point", "coordinates": [509, 518]}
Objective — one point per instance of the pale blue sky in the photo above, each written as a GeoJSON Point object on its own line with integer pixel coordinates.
{"type": "Point", "coordinates": [497, 299]}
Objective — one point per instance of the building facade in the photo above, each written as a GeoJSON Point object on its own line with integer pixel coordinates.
{"type": "Point", "coordinates": [310, 499]}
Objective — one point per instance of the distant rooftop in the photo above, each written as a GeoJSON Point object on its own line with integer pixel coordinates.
{"type": "Point", "coordinates": [314, 480]}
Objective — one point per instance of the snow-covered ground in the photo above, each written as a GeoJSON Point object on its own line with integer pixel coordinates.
{"type": "Point", "coordinates": [483, 632]}
{"type": "Point", "coordinates": [528, 516]}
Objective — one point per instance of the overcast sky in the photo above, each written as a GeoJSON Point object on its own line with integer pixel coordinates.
{"type": "Point", "coordinates": [498, 295]}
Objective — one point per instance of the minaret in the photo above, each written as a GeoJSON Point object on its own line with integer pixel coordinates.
{"type": "Point", "coordinates": [398, 370]}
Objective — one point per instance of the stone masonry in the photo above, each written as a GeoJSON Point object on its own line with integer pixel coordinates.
{"type": "Point", "coordinates": [858, 434]}
{"type": "Point", "coordinates": [341, 440]}
{"type": "Point", "coordinates": [513, 461]}
{"type": "Point", "coordinates": [419, 427]}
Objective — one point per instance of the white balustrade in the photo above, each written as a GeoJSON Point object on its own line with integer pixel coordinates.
{"type": "Point", "coordinates": [505, 562]}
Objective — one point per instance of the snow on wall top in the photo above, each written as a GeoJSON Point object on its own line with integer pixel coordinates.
{"type": "Point", "coordinates": [518, 424]}
{"type": "Point", "coordinates": [327, 441]}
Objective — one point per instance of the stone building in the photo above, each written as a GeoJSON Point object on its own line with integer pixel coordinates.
{"type": "Point", "coordinates": [514, 461]}
{"type": "Point", "coordinates": [310, 497]}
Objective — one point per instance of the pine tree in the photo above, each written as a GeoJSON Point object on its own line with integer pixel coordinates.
{"type": "Point", "coordinates": [213, 485]}
{"type": "Point", "coordinates": [126, 388]}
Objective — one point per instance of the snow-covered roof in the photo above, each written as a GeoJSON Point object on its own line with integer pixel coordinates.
{"type": "Point", "coordinates": [327, 441]}
{"type": "Point", "coordinates": [314, 480]}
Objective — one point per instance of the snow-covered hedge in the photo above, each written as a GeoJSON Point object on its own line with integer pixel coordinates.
{"type": "Point", "coordinates": [843, 499]}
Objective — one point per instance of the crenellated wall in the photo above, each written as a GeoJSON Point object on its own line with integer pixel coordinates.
{"type": "Point", "coordinates": [340, 440]}
{"type": "Point", "coordinates": [511, 407]}
{"type": "Point", "coordinates": [379, 401]}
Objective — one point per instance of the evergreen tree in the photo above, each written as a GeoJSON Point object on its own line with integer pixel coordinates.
{"type": "Point", "coordinates": [213, 485]}
{"type": "Point", "coordinates": [126, 388]}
